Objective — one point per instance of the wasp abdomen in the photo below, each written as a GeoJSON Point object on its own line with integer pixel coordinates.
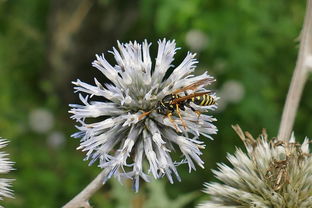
{"type": "Point", "coordinates": [203, 100]}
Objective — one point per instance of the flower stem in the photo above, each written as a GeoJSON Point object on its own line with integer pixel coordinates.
{"type": "Point", "coordinates": [82, 199]}
{"type": "Point", "coordinates": [299, 78]}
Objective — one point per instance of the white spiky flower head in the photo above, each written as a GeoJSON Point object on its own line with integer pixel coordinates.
{"type": "Point", "coordinates": [5, 167]}
{"type": "Point", "coordinates": [271, 174]}
{"type": "Point", "coordinates": [123, 138]}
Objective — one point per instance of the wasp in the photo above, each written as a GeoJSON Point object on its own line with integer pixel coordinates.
{"type": "Point", "coordinates": [174, 102]}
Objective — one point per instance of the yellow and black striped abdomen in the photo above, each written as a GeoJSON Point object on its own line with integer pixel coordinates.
{"type": "Point", "coordinates": [203, 100]}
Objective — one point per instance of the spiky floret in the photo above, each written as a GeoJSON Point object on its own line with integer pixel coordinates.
{"type": "Point", "coordinates": [5, 167]}
{"type": "Point", "coordinates": [272, 174]}
{"type": "Point", "coordinates": [118, 139]}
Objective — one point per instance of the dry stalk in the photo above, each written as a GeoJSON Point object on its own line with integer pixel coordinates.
{"type": "Point", "coordinates": [301, 72]}
{"type": "Point", "coordinates": [82, 199]}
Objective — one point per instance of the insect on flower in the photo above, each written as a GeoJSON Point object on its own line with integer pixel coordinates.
{"type": "Point", "coordinates": [132, 124]}
{"type": "Point", "coordinates": [176, 102]}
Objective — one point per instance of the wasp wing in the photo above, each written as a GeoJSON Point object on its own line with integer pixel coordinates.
{"type": "Point", "coordinates": [195, 85]}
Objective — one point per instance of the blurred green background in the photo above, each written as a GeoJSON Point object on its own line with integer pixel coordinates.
{"type": "Point", "coordinates": [249, 46]}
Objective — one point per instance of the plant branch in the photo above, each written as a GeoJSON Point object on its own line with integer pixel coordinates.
{"type": "Point", "coordinates": [82, 199]}
{"type": "Point", "coordinates": [301, 72]}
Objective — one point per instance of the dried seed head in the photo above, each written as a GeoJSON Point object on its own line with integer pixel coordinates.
{"type": "Point", "coordinates": [271, 174]}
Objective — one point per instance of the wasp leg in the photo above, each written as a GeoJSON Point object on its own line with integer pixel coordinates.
{"type": "Point", "coordinates": [143, 115]}
{"type": "Point", "coordinates": [172, 121]}
{"type": "Point", "coordinates": [179, 113]}
{"type": "Point", "coordinates": [196, 111]}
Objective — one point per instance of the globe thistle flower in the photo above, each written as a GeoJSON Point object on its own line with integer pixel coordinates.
{"type": "Point", "coordinates": [271, 174]}
{"type": "Point", "coordinates": [129, 132]}
{"type": "Point", "coordinates": [5, 167]}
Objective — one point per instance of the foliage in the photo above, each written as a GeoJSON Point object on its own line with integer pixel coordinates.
{"type": "Point", "coordinates": [250, 42]}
